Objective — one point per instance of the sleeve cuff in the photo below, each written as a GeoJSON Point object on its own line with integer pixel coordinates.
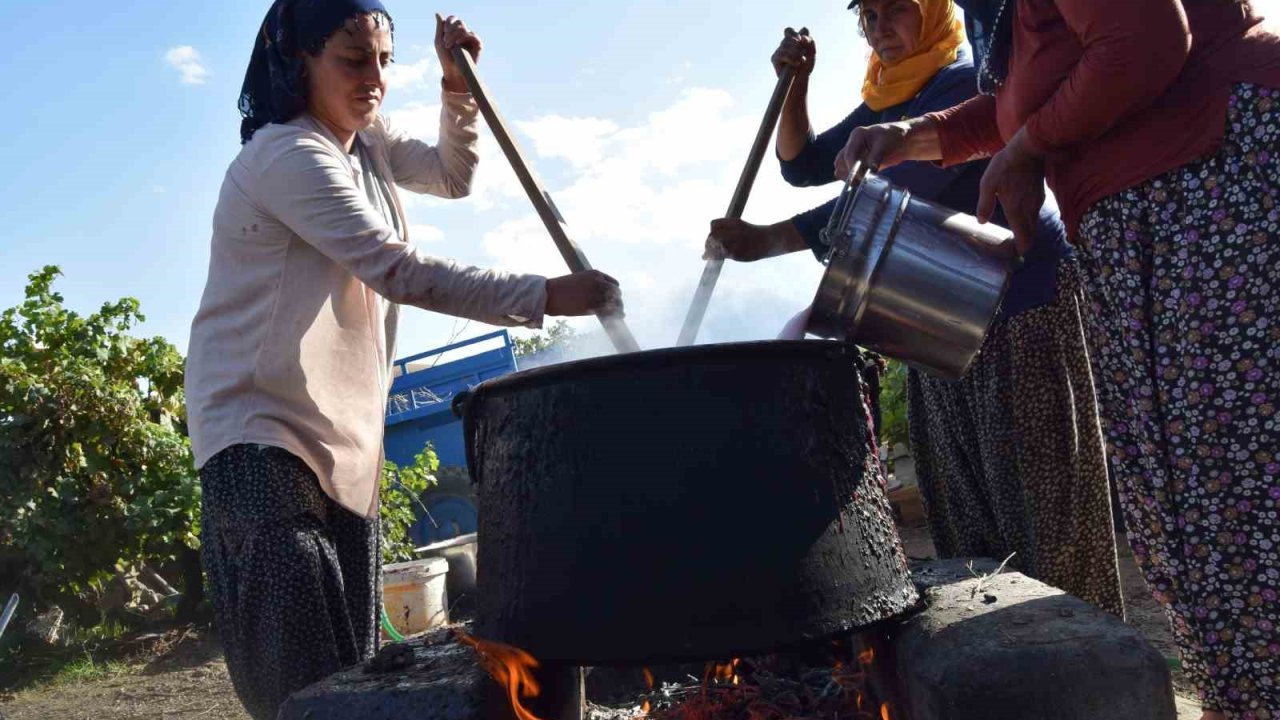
{"type": "Point", "coordinates": [530, 301]}
{"type": "Point", "coordinates": [951, 140]}
{"type": "Point", "coordinates": [810, 225]}
{"type": "Point", "coordinates": [460, 103]}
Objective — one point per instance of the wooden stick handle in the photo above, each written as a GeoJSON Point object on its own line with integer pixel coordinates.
{"type": "Point", "coordinates": [711, 272]}
{"type": "Point", "coordinates": [573, 256]}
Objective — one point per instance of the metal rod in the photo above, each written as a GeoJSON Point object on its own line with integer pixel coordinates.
{"type": "Point", "coordinates": [9, 608]}
{"type": "Point", "coordinates": [711, 272]}
{"type": "Point", "coordinates": [573, 256]}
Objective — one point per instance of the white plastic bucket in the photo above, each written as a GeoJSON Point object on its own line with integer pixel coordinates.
{"type": "Point", "coordinates": [413, 595]}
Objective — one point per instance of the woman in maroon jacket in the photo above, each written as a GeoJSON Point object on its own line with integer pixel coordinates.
{"type": "Point", "coordinates": [1157, 124]}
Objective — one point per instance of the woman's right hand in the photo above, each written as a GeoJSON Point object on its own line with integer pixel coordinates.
{"type": "Point", "coordinates": [888, 144]}
{"type": "Point", "coordinates": [798, 51]}
{"type": "Point", "coordinates": [734, 239]}
{"type": "Point", "coordinates": [590, 292]}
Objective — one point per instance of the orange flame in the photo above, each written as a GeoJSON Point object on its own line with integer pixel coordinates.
{"type": "Point", "coordinates": [511, 668]}
{"type": "Point", "coordinates": [648, 678]}
{"type": "Point", "coordinates": [723, 672]}
{"type": "Point", "coordinates": [644, 708]}
{"type": "Point", "coordinates": [884, 711]}
{"type": "Point", "coordinates": [866, 657]}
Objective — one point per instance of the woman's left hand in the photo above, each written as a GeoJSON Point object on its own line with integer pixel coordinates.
{"type": "Point", "coordinates": [450, 33]}
{"type": "Point", "coordinates": [1015, 178]}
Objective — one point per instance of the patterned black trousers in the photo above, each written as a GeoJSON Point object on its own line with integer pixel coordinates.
{"type": "Point", "coordinates": [1011, 458]}
{"type": "Point", "coordinates": [294, 577]}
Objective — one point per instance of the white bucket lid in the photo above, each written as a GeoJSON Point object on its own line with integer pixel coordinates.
{"type": "Point", "coordinates": [414, 571]}
{"type": "Point", "coordinates": [468, 539]}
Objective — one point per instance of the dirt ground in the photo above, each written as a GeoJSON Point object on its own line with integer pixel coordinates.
{"type": "Point", "coordinates": [180, 677]}
{"type": "Point", "coordinates": [183, 676]}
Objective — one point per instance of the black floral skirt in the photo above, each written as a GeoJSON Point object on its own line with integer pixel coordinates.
{"type": "Point", "coordinates": [1010, 458]}
{"type": "Point", "coordinates": [1184, 276]}
{"type": "Point", "coordinates": [295, 578]}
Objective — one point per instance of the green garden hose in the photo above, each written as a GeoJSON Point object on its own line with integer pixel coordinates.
{"type": "Point", "coordinates": [390, 629]}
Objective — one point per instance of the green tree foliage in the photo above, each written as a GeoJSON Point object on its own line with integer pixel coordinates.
{"type": "Point", "coordinates": [399, 494]}
{"type": "Point", "coordinates": [95, 472]}
{"type": "Point", "coordinates": [560, 334]}
{"type": "Point", "coordinates": [893, 404]}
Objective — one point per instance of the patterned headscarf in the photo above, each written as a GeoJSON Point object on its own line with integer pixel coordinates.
{"type": "Point", "coordinates": [274, 89]}
{"type": "Point", "coordinates": [941, 35]}
{"type": "Point", "coordinates": [990, 27]}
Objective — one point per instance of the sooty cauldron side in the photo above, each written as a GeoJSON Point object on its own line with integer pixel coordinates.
{"type": "Point", "coordinates": [689, 503]}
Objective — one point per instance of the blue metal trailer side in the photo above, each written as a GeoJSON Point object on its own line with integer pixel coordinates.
{"type": "Point", "coordinates": [419, 411]}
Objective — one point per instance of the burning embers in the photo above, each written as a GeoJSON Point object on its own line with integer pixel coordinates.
{"type": "Point", "coordinates": [771, 688]}
{"type": "Point", "coordinates": [840, 681]}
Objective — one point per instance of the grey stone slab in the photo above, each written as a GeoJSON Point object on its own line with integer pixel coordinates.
{"type": "Point", "coordinates": [1011, 648]}
{"type": "Point", "coordinates": [438, 680]}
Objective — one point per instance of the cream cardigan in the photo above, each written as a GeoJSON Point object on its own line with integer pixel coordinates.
{"type": "Point", "coordinates": [290, 345]}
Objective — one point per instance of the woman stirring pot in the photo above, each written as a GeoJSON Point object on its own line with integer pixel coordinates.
{"type": "Point", "coordinates": [1010, 458]}
{"type": "Point", "coordinates": [291, 350]}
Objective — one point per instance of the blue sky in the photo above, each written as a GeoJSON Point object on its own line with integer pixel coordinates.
{"type": "Point", "coordinates": [638, 115]}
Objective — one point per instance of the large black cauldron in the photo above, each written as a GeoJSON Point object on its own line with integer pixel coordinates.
{"type": "Point", "coordinates": [692, 503]}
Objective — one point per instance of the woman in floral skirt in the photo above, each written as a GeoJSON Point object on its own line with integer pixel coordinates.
{"type": "Point", "coordinates": [1157, 125]}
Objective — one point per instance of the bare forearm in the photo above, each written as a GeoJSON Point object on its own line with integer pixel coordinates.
{"type": "Point", "coordinates": [793, 126]}
{"type": "Point", "coordinates": [786, 238]}
{"type": "Point", "coordinates": [923, 143]}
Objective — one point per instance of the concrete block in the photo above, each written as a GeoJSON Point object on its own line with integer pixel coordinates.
{"type": "Point", "coordinates": [1011, 648]}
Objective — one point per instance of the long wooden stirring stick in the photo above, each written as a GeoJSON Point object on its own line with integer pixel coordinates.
{"type": "Point", "coordinates": [711, 272]}
{"type": "Point", "coordinates": [573, 256]}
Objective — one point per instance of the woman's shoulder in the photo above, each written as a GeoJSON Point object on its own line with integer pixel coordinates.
{"type": "Point", "coordinates": [960, 69]}
{"type": "Point", "coordinates": [951, 86]}
{"type": "Point", "coordinates": [293, 141]}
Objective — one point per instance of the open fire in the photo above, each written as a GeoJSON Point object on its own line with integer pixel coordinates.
{"type": "Point", "coordinates": [510, 667]}
{"type": "Point", "coordinates": [1014, 654]}
{"type": "Point", "coordinates": [842, 684]}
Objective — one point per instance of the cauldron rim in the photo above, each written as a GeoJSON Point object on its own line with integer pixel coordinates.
{"type": "Point", "coordinates": [464, 401]}
{"type": "Point", "coordinates": [756, 348]}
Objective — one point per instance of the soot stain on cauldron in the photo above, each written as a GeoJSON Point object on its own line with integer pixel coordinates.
{"type": "Point", "coordinates": [655, 505]}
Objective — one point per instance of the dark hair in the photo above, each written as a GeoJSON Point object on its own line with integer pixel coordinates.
{"type": "Point", "coordinates": [275, 88]}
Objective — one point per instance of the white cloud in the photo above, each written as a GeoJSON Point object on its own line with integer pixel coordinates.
{"type": "Point", "coordinates": [419, 119]}
{"type": "Point", "coordinates": [425, 234]}
{"type": "Point", "coordinates": [638, 200]}
{"type": "Point", "coordinates": [406, 77]}
{"type": "Point", "coordinates": [579, 140]}
{"type": "Point", "coordinates": [186, 60]}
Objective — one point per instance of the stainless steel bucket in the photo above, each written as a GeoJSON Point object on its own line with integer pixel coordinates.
{"type": "Point", "coordinates": [910, 279]}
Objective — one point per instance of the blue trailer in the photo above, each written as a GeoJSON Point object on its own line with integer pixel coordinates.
{"type": "Point", "coordinates": [419, 411]}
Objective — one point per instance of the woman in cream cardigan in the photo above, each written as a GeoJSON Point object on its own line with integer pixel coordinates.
{"type": "Point", "coordinates": [291, 349]}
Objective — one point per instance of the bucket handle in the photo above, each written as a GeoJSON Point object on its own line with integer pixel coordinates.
{"type": "Point", "coordinates": [461, 408]}
{"type": "Point", "coordinates": [844, 203]}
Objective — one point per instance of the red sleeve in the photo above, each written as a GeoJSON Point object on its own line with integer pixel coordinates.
{"type": "Point", "coordinates": [1133, 51]}
{"type": "Point", "coordinates": [968, 131]}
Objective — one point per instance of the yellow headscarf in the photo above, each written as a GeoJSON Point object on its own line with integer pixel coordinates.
{"type": "Point", "coordinates": [941, 35]}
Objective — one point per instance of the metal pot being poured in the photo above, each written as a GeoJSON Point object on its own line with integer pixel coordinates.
{"type": "Point", "coordinates": [910, 279]}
